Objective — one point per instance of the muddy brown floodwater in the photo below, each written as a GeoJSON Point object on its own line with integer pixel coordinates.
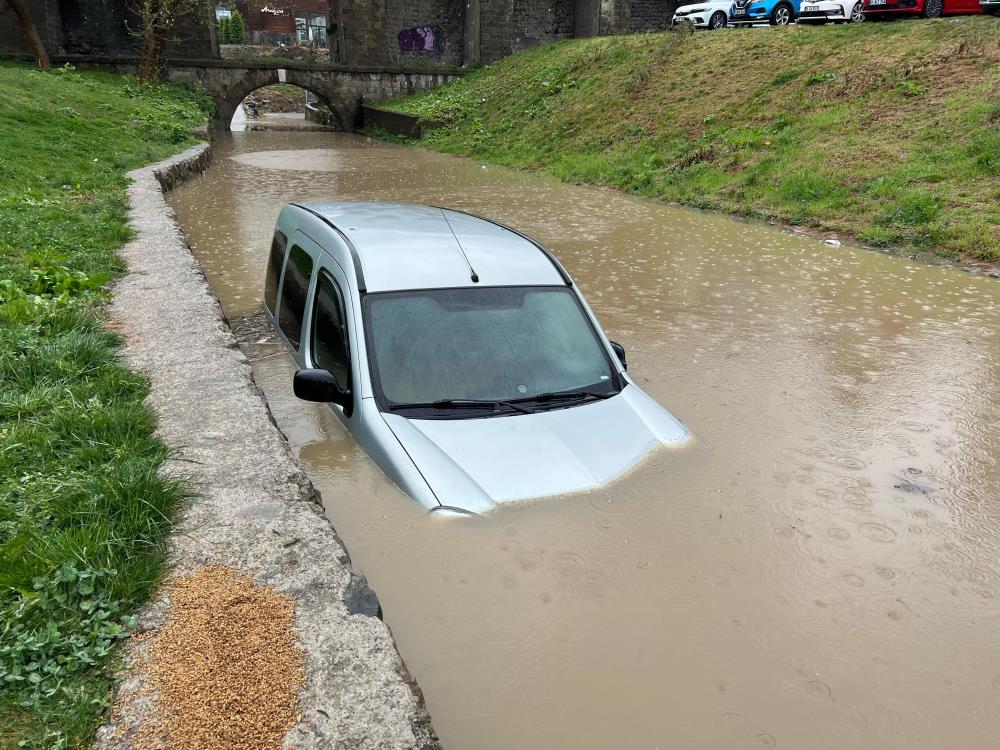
{"type": "Point", "coordinates": [819, 568]}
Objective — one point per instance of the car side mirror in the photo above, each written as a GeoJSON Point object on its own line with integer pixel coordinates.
{"type": "Point", "coordinates": [322, 386]}
{"type": "Point", "coordinates": [620, 352]}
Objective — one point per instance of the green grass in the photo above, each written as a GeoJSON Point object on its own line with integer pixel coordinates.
{"type": "Point", "coordinates": [889, 132]}
{"type": "Point", "coordinates": [83, 513]}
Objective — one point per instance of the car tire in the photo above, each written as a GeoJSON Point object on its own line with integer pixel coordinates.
{"type": "Point", "coordinates": [782, 14]}
{"type": "Point", "coordinates": [717, 21]}
{"type": "Point", "coordinates": [932, 8]}
{"type": "Point", "coordinates": [857, 13]}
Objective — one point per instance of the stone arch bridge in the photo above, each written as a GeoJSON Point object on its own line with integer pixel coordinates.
{"type": "Point", "coordinates": [342, 88]}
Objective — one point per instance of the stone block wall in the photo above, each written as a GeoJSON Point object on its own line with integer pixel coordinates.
{"type": "Point", "coordinates": [362, 32]}
{"type": "Point", "coordinates": [534, 22]}
{"type": "Point", "coordinates": [359, 36]}
{"type": "Point", "coordinates": [101, 27]}
{"type": "Point", "coordinates": [45, 14]}
{"type": "Point", "coordinates": [495, 19]}
{"type": "Point", "coordinates": [651, 15]}
{"type": "Point", "coordinates": [614, 17]}
{"type": "Point", "coordinates": [98, 27]}
{"type": "Point", "coordinates": [425, 31]}
{"type": "Point", "coordinates": [586, 18]}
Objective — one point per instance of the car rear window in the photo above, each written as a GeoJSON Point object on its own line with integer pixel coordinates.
{"type": "Point", "coordinates": [274, 263]}
{"type": "Point", "coordinates": [294, 289]}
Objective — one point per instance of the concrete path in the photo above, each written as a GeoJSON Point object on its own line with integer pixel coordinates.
{"type": "Point", "coordinates": [255, 510]}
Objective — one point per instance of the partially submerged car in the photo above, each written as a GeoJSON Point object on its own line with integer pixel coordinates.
{"type": "Point", "coordinates": [837, 11]}
{"type": "Point", "coordinates": [457, 351]}
{"type": "Point", "coordinates": [710, 15]}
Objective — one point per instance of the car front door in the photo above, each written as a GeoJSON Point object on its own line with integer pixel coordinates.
{"type": "Point", "coordinates": [329, 333]}
{"type": "Point", "coordinates": [293, 294]}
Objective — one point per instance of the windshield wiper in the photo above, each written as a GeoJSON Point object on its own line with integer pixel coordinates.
{"type": "Point", "coordinates": [464, 403]}
{"type": "Point", "coordinates": [558, 395]}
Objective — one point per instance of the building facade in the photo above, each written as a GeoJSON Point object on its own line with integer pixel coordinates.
{"type": "Point", "coordinates": [286, 22]}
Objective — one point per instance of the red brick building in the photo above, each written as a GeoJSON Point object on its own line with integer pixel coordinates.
{"type": "Point", "coordinates": [287, 21]}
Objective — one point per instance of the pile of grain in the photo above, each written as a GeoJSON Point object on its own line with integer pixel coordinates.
{"type": "Point", "coordinates": [226, 666]}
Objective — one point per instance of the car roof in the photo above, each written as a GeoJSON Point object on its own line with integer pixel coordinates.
{"type": "Point", "coordinates": [401, 246]}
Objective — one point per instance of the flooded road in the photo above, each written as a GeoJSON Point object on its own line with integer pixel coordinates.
{"type": "Point", "coordinates": [819, 568]}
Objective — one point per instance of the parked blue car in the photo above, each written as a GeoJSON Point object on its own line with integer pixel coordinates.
{"type": "Point", "coordinates": [774, 12]}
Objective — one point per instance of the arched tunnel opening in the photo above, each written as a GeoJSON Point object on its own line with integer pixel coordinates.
{"type": "Point", "coordinates": [283, 106]}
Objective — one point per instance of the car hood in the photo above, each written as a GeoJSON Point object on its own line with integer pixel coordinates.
{"type": "Point", "coordinates": [473, 464]}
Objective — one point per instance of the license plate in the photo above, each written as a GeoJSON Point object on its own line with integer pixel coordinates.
{"type": "Point", "coordinates": [739, 12]}
{"type": "Point", "coordinates": [876, 2]}
{"type": "Point", "coordinates": [812, 7]}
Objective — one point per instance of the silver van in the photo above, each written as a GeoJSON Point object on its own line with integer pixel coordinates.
{"type": "Point", "coordinates": [457, 351]}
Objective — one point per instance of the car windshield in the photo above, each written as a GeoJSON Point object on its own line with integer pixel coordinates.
{"type": "Point", "coordinates": [491, 344]}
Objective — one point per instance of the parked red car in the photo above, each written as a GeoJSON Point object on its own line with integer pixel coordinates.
{"type": "Point", "coordinates": [924, 8]}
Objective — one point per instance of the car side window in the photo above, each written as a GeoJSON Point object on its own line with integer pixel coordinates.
{"type": "Point", "coordinates": [294, 290]}
{"type": "Point", "coordinates": [274, 263]}
{"type": "Point", "coordinates": [330, 350]}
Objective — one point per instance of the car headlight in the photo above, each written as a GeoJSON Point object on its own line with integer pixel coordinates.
{"type": "Point", "coordinates": [447, 511]}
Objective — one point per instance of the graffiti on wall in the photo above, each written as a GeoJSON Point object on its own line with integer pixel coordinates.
{"type": "Point", "coordinates": [422, 39]}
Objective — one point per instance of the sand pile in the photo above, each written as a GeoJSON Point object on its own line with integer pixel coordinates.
{"type": "Point", "coordinates": [226, 667]}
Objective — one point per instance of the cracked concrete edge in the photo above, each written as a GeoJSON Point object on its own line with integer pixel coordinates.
{"type": "Point", "coordinates": [253, 508]}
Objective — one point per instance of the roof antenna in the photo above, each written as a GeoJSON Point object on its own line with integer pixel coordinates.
{"type": "Point", "coordinates": [475, 276]}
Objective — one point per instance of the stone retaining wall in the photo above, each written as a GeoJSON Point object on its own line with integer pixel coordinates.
{"type": "Point", "coordinates": [397, 123]}
{"type": "Point", "coordinates": [254, 510]}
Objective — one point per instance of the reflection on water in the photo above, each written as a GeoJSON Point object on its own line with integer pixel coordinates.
{"type": "Point", "coordinates": [819, 569]}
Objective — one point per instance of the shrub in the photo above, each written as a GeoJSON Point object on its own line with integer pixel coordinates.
{"type": "Point", "coordinates": [225, 30]}
{"type": "Point", "coordinates": [909, 87]}
{"type": "Point", "coordinates": [824, 77]}
{"type": "Point", "coordinates": [237, 28]}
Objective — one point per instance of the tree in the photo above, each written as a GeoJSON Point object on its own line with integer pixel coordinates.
{"type": "Point", "coordinates": [30, 33]}
{"type": "Point", "coordinates": [225, 30]}
{"type": "Point", "coordinates": [157, 19]}
{"type": "Point", "coordinates": [237, 28]}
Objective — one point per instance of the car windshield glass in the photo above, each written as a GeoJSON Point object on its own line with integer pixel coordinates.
{"type": "Point", "coordinates": [484, 344]}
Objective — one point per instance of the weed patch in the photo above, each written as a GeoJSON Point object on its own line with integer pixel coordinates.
{"type": "Point", "coordinates": [83, 512]}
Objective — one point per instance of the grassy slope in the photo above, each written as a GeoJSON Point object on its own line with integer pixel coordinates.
{"type": "Point", "coordinates": [82, 511]}
{"type": "Point", "coordinates": [886, 131]}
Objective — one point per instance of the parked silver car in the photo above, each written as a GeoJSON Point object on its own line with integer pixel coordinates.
{"type": "Point", "coordinates": [457, 351]}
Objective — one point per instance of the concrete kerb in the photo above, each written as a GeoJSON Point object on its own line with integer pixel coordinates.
{"type": "Point", "coordinates": [254, 510]}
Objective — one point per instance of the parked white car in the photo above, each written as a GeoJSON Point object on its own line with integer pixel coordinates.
{"type": "Point", "coordinates": [710, 15]}
{"type": "Point", "coordinates": [838, 11]}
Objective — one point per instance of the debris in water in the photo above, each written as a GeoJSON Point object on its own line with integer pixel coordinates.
{"type": "Point", "coordinates": [832, 242]}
